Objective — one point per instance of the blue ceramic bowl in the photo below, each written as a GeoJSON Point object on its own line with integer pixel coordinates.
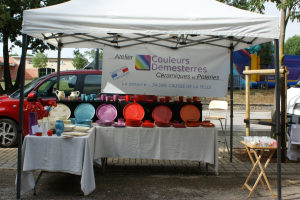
{"type": "Point", "coordinates": [73, 120]}
{"type": "Point", "coordinates": [84, 125]}
{"type": "Point", "coordinates": [83, 121]}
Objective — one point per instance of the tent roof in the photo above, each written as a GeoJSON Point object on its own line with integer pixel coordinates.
{"type": "Point", "coordinates": [94, 23]}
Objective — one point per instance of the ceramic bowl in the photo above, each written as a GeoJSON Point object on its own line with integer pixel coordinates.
{"type": "Point", "coordinates": [176, 101]}
{"type": "Point", "coordinates": [84, 125]}
{"type": "Point", "coordinates": [73, 120]}
{"type": "Point", "coordinates": [68, 128]}
{"type": "Point", "coordinates": [81, 129]}
{"type": "Point", "coordinates": [83, 121]}
{"type": "Point", "coordinates": [67, 121]}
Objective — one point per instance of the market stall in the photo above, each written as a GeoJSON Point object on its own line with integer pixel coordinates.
{"type": "Point", "coordinates": [208, 27]}
{"type": "Point", "coordinates": [56, 154]}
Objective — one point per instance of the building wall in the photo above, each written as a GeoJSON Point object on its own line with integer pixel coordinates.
{"type": "Point", "coordinates": [29, 73]}
{"type": "Point", "coordinates": [65, 64]}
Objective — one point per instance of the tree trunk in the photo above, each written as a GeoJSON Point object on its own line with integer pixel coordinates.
{"type": "Point", "coordinates": [7, 77]}
{"type": "Point", "coordinates": [18, 77]}
{"type": "Point", "coordinates": [283, 24]}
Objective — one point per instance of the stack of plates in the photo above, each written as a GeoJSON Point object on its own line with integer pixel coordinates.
{"type": "Point", "coordinates": [178, 125]}
{"type": "Point", "coordinates": [148, 125]}
{"type": "Point", "coordinates": [133, 123]}
{"type": "Point", "coordinates": [163, 124]}
{"type": "Point", "coordinates": [104, 122]}
{"type": "Point", "coordinates": [193, 123]}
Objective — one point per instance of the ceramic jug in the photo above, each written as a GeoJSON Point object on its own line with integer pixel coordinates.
{"type": "Point", "coordinates": [75, 94]}
{"type": "Point", "coordinates": [60, 95]}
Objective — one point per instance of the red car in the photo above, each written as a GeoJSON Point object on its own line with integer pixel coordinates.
{"type": "Point", "coordinates": [84, 81]}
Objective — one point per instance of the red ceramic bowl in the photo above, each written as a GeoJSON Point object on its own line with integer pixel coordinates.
{"type": "Point", "coordinates": [38, 133]}
{"type": "Point", "coordinates": [149, 101]}
{"type": "Point", "coordinates": [176, 101]}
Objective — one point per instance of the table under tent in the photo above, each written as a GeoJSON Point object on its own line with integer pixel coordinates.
{"type": "Point", "coordinates": [206, 30]}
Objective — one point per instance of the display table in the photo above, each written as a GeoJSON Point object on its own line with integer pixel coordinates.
{"type": "Point", "coordinates": [272, 150]}
{"type": "Point", "coordinates": [191, 143]}
{"type": "Point", "coordinates": [55, 154]}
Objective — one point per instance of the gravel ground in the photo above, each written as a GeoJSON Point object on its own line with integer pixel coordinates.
{"type": "Point", "coordinates": [149, 185]}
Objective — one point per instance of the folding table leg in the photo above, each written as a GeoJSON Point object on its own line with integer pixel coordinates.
{"type": "Point", "coordinates": [36, 182]}
{"type": "Point", "coordinates": [77, 179]}
{"type": "Point", "coordinates": [254, 168]}
{"type": "Point", "coordinates": [262, 173]}
{"type": "Point", "coordinates": [104, 161]}
{"type": "Point", "coordinates": [225, 142]}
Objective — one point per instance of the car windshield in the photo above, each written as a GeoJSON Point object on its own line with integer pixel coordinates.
{"type": "Point", "coordinates": [27, 88]}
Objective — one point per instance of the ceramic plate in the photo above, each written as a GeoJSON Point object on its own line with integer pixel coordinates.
{"type": "Point", "coordinates": [106, 112]}
{"type": "Point", "coordinates": [189, 112]}
{"type": "Point", "coordinates": [60, 109]}
{"type": "Point", "coordinates": [133, 111]}
{"type": "Point", "coordinates": [162, 114]}
{"type": "Point", "coordinates": [84, 111]}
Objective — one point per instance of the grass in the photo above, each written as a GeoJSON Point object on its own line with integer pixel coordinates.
{"type": "Point", "coordinates": [257, 96]}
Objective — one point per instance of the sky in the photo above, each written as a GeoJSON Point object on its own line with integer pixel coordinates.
{"type": "Point", "coordinates": [293, 28]}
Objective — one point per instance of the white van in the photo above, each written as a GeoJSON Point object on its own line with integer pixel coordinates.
{"type": "Point", "coordinates": [293, 100]}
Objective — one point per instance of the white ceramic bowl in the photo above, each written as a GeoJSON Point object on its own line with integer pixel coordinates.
{"type": "Point", "coordinates": [69, 127]}
{"type": "Point", "coordinates": [67, 121]}
{"type": "Point", "coordinates": [82, 129]}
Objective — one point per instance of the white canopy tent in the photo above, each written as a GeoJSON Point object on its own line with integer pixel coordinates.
{"type": "Point", "coordinates": [94, 24]}
{"type": "Point", "coordinates": [172, 24]}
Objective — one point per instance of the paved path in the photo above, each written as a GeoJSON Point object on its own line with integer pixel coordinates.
{"type": "Point", "coordinates": [8, 160]}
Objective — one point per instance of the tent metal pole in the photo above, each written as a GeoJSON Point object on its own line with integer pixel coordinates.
{"type": "Point", "coordinates": [231, 98]}
{"type": "Point", "coordinates": [96, 59]}
{"type": "Point", "coordinates": [277, 90]}
{"type": "Point", "coordinates": [58, 65]}
{"type": "Point", "coordinates": [21, 105]}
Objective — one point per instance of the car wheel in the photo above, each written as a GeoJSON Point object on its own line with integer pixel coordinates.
{"type": "Point", "coordinates": [8, 133]}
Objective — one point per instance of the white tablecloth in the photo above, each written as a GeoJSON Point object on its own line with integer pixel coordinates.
{"type": "Point", "coordinates": [195, 144]}
{"type": "Point", "coordinates": [55, 154]}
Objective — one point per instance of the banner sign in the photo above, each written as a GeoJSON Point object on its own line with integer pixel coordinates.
{"type": "Point", "coordinates": [161, 71]}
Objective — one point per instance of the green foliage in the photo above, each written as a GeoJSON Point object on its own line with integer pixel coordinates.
{"type": "Point", "coordinates": [266, 53]}
{"type": "Point", "coordinates": [91, 54]}
{"type": "Point", "coordinates": [79, 61]}
{"type": "Point", "coordinates": [40, 60]}
{"type": "Point", "coordinates": [292, 45]}
{"type": "Point", "coordinates": [13, 54]}
{"type": "Point", "coordinates": [11, 17]}
{"type": "Point", "coordinates": [242, 4]}
{"type": "Point", "coordinates": [34, 78]}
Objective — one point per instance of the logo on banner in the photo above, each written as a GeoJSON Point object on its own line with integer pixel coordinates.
{"type": "Point", "coordinates": [119, 73]}
{"type": "Point", "coordinates": [142, 62]}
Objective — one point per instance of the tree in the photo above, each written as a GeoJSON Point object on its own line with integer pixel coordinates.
{"type": "Point", "coordinates": [292, 45]}
{"type": "Point", "coordinates": [79, 61]}
{"type": "Point", "coordinates": [40, 60]}
{"type": "Point", "coordinates": [290, 10]}
{"type": "Point", "coordinates": [91, 54]}
{"type": "Point", "coordinates": [11, 17]}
